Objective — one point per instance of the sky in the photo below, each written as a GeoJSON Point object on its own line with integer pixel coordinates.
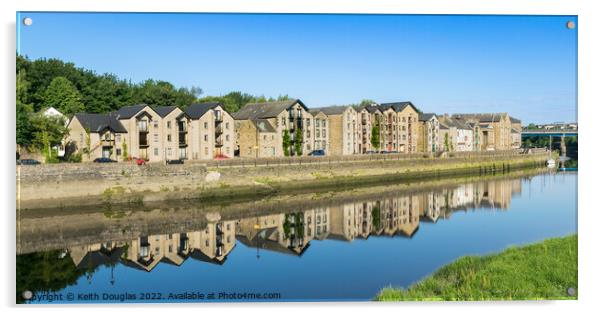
{"type": "Point", "coordinates": [523, 65]}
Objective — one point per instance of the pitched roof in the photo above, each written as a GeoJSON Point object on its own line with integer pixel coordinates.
{"type": "Point", "coordinates": [334, 110]}
{"type": "Point", "coordinates": [264, 126]}
{"type": "Point", "coordinates": [197, 110]}
{"type": "Point", "coordinates": [372, 108]}
{"type": "Point", "coordinates": [252, 111]}
{"type": "Point", "coordinates": [426, 116]}
{"type": "Point", "coordinates": [481, 117]}
{"type": "Point", "coordinates": [97, 123]}
{"type": "Point", "coordinates": [127, 112]}
{"type": "Point", "coordinates": [514, 120]}
{"type": "Point", "coordinates": [163, 111]}
{"type": "Point", "coordinates": [400, 106]}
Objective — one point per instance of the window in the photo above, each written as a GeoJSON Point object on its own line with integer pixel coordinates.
{"type": "Point", "coordinates": [118, 138]}
{"type": "Point", "coordinates": [206, 151]}
{"type": "Point", "coordinates": [118, 151]}
{"type": "Point", "coordinates": [324, 132]}
{"type": "Point", "coordinates": [206, 138]}
{"type": "Point", "coordinates": [227, 125]}
{"type": "Point", "coordinates": [265, 137]}
{"type": "Point", "coordinates": [168, 124]}
{"type": "Point", "coordinates": [205, 125]}
{"type": "Point", "coordinates": [317, 133]}
{"type": "Point", "coordinates": [156, 150]}
{"type": "Point", "coordinates": [169, 137]}
{"type": "Point", "coordinates": [227, 138]}
{"type": "Point", "coordinates": [169, 151]}
{"type": "Point", "coordinates": [207, 242]}
{"type": "Point", "coordinates": [142, 126]}
{"type": "Point", "coordinates": [156, 124]}
{"type": "Point", "coordinates": [156, 138]}
{"type": "Point", "coordinates": [228, 150]}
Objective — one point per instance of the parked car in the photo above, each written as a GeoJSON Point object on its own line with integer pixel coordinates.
{"type": "Point", "coordinates": [319, 152]}
{"type": "Point", "coordinates": [371, 152]}
{"type": "Point", "coordinates": [28, 162]}
{"type": "Point", "coordinates": [104, 160]}
{"type": "Point", "coordinates": [175, 162]}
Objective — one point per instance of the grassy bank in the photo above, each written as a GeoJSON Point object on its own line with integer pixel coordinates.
{"type": "Point", "coordinates": [544, 270]}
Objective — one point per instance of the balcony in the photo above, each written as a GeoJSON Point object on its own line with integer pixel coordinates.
{"type": "Point", "coordinates": [219, 118]}
{"type": "Point", "coordinates": [143, 139]}
{"type": "Point", "coordinates": [218, 129]}
{"type": "Point", "coordinates": [182, 139]}
{"type": "Point", "coordinates": [219, 142]}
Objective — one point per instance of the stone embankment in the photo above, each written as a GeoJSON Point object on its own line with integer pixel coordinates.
{"type": "Point", "coordinates": [62, 185]}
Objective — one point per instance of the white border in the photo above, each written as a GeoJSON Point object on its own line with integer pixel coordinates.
{"type": "Point", "coordinates": [590, 84]}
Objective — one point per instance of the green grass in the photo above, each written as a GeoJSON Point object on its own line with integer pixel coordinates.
{"type": "Point", "coordinates": [541, 271]}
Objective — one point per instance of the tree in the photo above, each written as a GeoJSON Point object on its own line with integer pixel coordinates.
{"type": "Point", "coordinates": [24, 130]}
{"type": "Point", "coordinates": [286, 143]}
{"type": "Point", "coordinates": [299, 142]}
{"type": "Point", "coordinates": [124, 150]}
{"type": "Point", "coordinates": [366, 102]}
{"type": "Point", "coordinates": [375, 137]}
{"type": "Point", "coordinates": [446, 142]}
{"type": "Point", "coordinates": [49, 131]}
{"type": "Point", "coordinates": [63, 96]}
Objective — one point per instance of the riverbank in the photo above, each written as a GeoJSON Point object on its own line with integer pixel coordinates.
{"type": "Point", "coordinates": [92, 184]}
{"type": "Point", "coordinates": [544, 271]}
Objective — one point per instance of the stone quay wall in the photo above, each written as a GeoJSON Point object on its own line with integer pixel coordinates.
{"type": "Point", "coordinates": [62, 185]}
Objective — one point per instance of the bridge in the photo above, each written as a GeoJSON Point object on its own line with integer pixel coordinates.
{"type": "Point", "coordinates": [551, 132]}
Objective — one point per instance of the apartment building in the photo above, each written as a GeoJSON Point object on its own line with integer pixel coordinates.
{"type": "Point", "coordinates": [321, 131]}
{"type": "Point", "coordinates": [428, 133]}
{"type": "Point", "coordinates": [174, 132]}
{"type": "Point", "coordinates": [289, 118]}
{"type": "Point", "coordinates": [376, 122]}
{"type": "Point", "coordinates": [405, 126]}
{"type": "Point", "coordinates": [260, 134]}
{"type": "Point", "coordinates": [364, 130]}
{"type": "Point", "coordinates": [213, 131]}
{"type": "Point", "coordinates": [343, 130]}
{"type": "Point", "coordinates": [96, 136]}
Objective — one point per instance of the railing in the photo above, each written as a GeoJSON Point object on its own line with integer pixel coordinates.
{"type": "Point", "coordinates": [334, 160]}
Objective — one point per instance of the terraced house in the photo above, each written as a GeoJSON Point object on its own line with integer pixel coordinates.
{"type": "Point", "coordinates": [173, 131]}
{"type": "Point", "coordinates": [290, 119]}
{"type": "Point", "coordinates": [428, 133]}
{"type": "Point", "coordinates": [494, 129]}
{"type": "Point", "coordinates": [405, 126]}
{"type": "Point", "coordinates": [343, 130]}
{"type": "Point", "coordinates": [95, 136]}
{"type": "Point", "coordinates": [364, 130]}
{"type": "Point", "coordinates": [321, 133]}
{"type": "Point", "coordinates": [212, 129]}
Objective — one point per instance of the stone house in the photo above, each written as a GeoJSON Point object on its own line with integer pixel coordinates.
{"type": "Point", "coordinates": [95, 136]}
{"type": "Point", "coordinates": [365, 130]}
{"type": "Point", "coordinates": [517, 128]}
{"type": "Point", "coordinates": [212, 131]}
{"type": "Point", "coordinates": [260, 137]}
{"type": "Point", "coordinates": [288, 117]}
{"type": "Point", "coordinates": [405, 126]}
{"type": "Point", "coordinates": [143, 125]}
{"type": "Point", "coordinates": [428, 133]}
{"type": "Point", "coordinates": [321, 131]}
{"type": "Point", "coordinates": [343, 131]}
{"type": "Point", "coordinates": [495, 129]}
{"type": "Point", "coordinates": [174, 132]}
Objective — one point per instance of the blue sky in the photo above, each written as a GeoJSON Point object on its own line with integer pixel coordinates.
{"type": "Point", "coordinates": [524, 65]}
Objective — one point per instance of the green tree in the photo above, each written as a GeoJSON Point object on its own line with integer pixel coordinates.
{"type": "Point", "coordinates": [299, 142]}
{"type": "Point", "coordinates": [375, 137]}
{"type": "Point", "coordinates": [446, 142]}
{"type": "Point", "coordinates": [124, 150]}
{"type": "Point", "coordinates": [63, 96]}
{"type": "Point", "coordinates": [286, 143]}
{"type": "Point", "coordinates": [48, 133]}
{"type": "Point", "coordinates": [24, 129]}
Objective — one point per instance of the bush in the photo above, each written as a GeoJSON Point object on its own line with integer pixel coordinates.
{"type": "Point", "coordinates": [76, 157]}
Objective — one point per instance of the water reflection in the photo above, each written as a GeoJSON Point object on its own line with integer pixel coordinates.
{"type": "Point", "coordinates": [289, 232]}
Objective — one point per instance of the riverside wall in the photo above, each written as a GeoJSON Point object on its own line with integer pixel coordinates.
{"type": "Point", "coordinates": [65, 185]}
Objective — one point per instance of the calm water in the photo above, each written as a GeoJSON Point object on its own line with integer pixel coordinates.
{"type": "Point", "coordinates": [333, 251]}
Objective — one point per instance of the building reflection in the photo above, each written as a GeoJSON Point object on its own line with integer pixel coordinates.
{"type": "Point", "coordinates": [293, 231]}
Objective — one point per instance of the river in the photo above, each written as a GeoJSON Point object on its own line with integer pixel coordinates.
{"type": "Point", "coordinates": [324, 249]}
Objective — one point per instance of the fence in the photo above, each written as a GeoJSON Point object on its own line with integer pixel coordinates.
{"type": "Point", "coordinates": [273, 161]}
